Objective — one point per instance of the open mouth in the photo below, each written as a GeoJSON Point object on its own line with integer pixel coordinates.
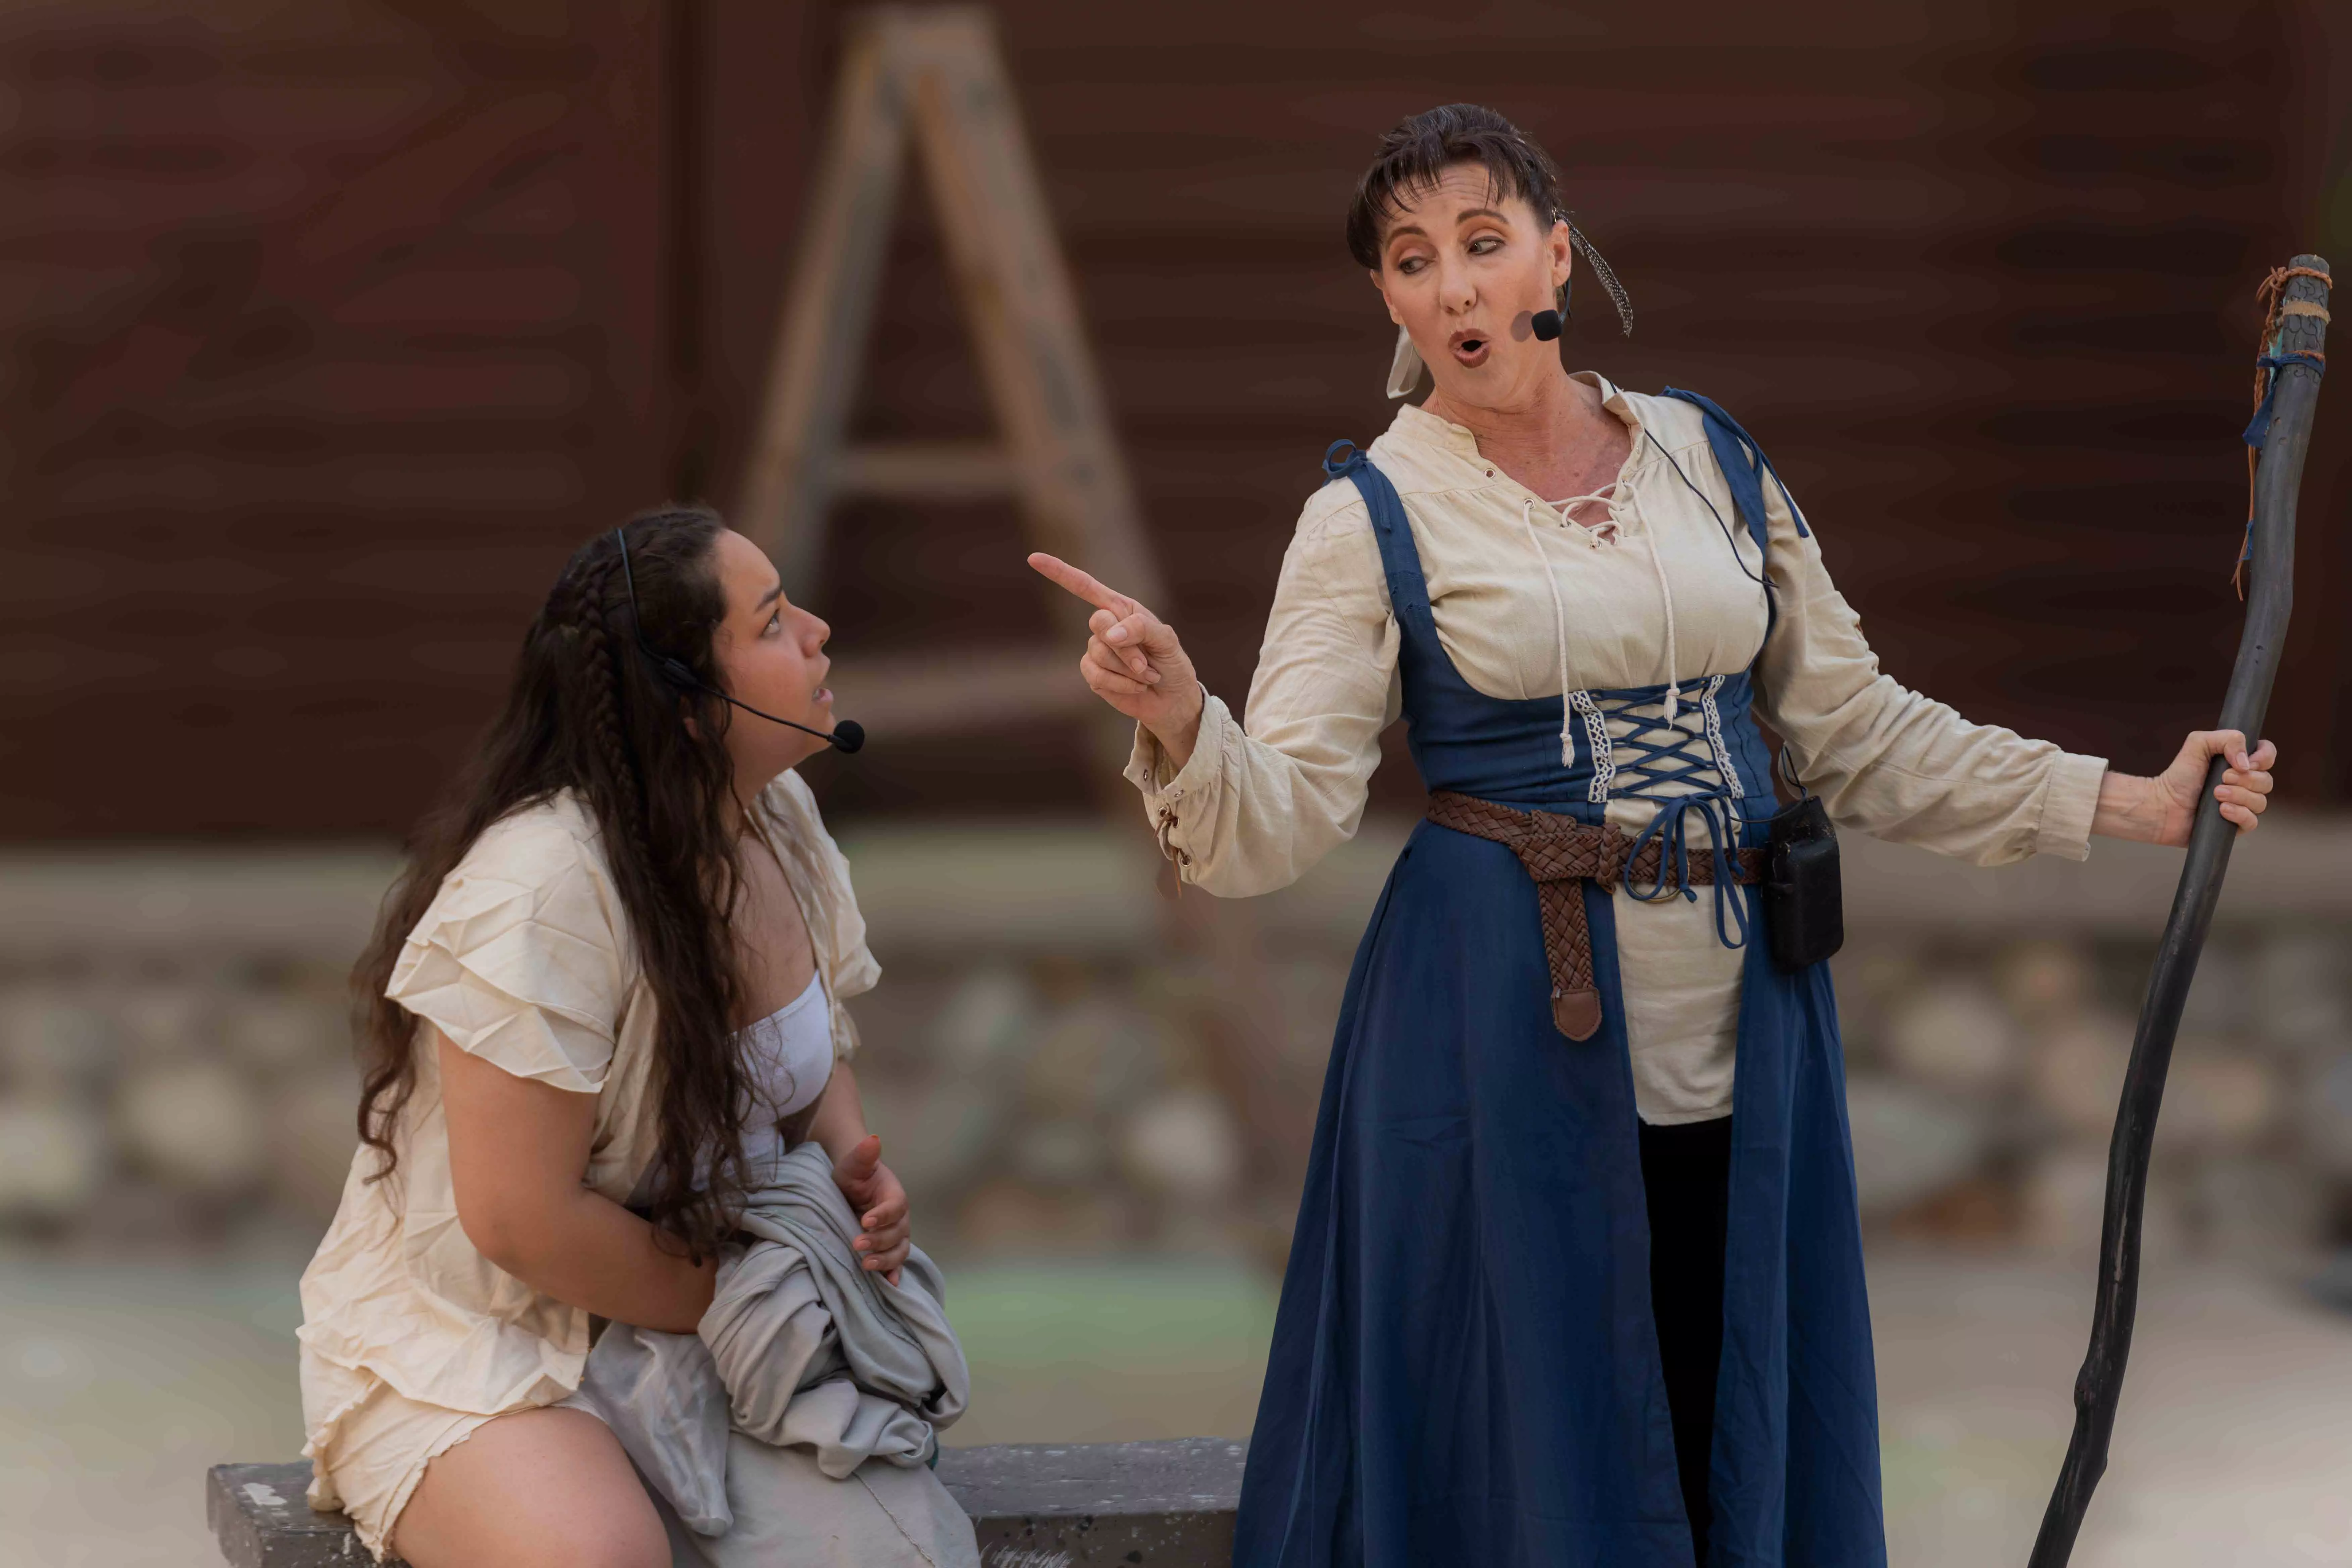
{"type": "Point", "coordinates": [1470, 349]}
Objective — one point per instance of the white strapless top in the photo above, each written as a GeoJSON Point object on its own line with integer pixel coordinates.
{"type": "Point", "coordinates": [788, 1058]}
{"type": "Point", "coordinates": [789, 1053]}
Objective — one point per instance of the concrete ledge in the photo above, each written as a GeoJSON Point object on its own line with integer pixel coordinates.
{"type": "Point", "coordinates": [1138, 1505]}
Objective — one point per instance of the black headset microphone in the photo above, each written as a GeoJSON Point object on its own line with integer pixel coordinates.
{"type": "Point", "coordinates": [1548, 325]}
{"type": "Point", "coordinates": [847, 736]}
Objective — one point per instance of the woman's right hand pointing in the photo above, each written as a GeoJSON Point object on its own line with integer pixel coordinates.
{"type": "Point", "coordinates": [1134, 661]}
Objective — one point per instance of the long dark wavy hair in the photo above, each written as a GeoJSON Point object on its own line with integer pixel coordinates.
{"type": "Point", "coordinates": [589, 712]}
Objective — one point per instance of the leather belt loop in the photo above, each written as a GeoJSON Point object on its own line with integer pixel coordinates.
{"type": "Point", "coordinates": [1561, 855]}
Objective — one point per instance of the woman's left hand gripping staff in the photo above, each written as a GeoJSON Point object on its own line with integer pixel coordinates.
{"type": "Point", "coordinates": [2245, 790]}
{"type": "Point", "coordinates": [875, 1191]}
{"type": "Point", "coordinates": [2162, 810]}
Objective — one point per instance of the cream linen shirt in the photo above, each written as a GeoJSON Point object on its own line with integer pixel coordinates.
{"type": "Point", "coordinates": [524, 960]}
{"type": "Point", "coordinates": [1254, 808]}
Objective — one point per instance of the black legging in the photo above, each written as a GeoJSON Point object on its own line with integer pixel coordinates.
{"type": "Point", "coordinates": [1686, 1174]}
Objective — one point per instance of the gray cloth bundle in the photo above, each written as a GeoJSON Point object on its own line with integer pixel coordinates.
{"type": "Point", "coordinates": [802, 1350]}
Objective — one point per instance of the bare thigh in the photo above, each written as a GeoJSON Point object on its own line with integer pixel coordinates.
{"type": "Point", "coordinates": [540, 1489]}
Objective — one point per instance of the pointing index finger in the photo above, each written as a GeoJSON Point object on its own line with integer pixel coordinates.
{"type": "Point", "coordinates": [1082, 584]}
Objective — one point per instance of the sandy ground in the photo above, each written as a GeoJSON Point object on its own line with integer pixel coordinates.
{"type": "Point", "coordinates": [2233, 1445]}
{"type": "Point", "coordinates": [121, 1381]}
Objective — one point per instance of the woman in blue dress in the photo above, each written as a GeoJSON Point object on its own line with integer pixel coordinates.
{"type": "Point", "coordinates": [1566, 1287]}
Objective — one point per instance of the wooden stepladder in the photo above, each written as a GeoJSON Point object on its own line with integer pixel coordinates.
{"type": "Point", "coordinates": [936, 76]}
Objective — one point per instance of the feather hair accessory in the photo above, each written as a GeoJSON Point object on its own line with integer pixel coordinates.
{"type": "Point", "coordinates": [1606, 273]}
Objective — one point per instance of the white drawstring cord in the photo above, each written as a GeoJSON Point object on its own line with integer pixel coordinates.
{"type": "Point", "coordinates": [1560, 631]}
{"type": "Point", "coordinates": [1674, 686]}
{"type": "Point", "coordinates": [1615, 494]}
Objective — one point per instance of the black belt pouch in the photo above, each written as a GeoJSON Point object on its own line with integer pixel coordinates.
{"type": "Point", "coordinates": [1804, 909]}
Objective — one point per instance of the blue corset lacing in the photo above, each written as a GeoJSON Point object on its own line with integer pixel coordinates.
{"type": "Point", "coordinates": [1665, 755]}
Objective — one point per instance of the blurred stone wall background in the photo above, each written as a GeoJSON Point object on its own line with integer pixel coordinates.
{"type": "Point", "coordinates": [174, 1065]}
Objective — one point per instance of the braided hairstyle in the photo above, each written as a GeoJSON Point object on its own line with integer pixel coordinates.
{"type": "Point", "coordinates": [589, 712]}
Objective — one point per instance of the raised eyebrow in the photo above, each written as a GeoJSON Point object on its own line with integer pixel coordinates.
{"type": "Point", "coordinates": [770, 596]}
{"type": "Point", "coordinates": [1404, 228]}
{"type": "Point", "coordinates": [1476, 211]}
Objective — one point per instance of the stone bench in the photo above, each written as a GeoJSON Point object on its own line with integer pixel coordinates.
{"type": "Point", "coordinates": [1135, 1505]}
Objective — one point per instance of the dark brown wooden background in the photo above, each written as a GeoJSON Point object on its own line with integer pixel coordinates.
{"type": "Point", "coordinates": [332, 330]}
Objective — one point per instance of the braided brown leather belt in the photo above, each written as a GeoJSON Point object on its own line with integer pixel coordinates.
{"type": "Point", "coordinates": [1561, 853]}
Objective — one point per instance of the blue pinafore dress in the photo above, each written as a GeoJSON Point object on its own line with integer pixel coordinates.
{"type": "Point", "coordinates": [1464, 1367]}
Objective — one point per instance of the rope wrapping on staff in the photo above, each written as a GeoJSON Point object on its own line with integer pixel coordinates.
{"type": "Point", "coordinates": [2268, 362]}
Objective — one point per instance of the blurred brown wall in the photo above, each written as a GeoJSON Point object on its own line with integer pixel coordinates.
{"type": "Point", "coordinates": [332, 330]}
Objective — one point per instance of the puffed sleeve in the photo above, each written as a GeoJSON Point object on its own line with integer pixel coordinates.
{"type": "Point", "coordinates": [519, 960]}
{"type": "Point", "coordinates": [1252, 809]}
{"type": "Point", "coordinates": [839, 927]}
{"type": "Point", "coordinates": [1892, 763]}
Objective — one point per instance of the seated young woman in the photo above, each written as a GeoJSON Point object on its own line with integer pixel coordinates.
{"type": "Point", "coordinates": [607, 992]}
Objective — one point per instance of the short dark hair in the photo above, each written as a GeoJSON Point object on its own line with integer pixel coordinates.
{"type": "Point", "coordinates": [1418, 150]}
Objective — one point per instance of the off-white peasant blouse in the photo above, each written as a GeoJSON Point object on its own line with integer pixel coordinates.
{"type": "Point", "coordinates": [1252, 808]}
{"type": "Point", "coordinates": [524, 960]}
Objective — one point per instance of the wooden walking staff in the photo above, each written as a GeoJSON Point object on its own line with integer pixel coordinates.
{"type": "Point", "coordinates": [2286, 388]}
